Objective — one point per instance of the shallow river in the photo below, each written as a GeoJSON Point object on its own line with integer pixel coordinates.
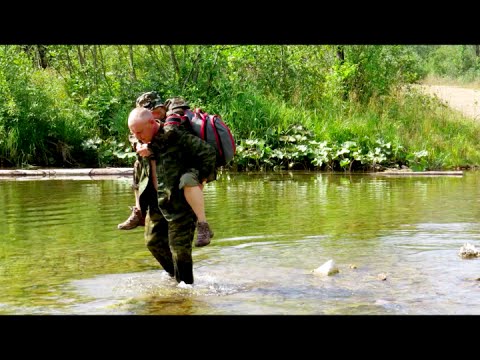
{"type": "Point", "coordinates": [395, 241]}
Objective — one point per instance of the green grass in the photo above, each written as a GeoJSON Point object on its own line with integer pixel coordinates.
{"type": "Point", "coordinates": [407, 119]}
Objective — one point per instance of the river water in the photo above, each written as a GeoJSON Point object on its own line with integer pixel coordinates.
{"type": "Point", "coordinates": [394, 239]}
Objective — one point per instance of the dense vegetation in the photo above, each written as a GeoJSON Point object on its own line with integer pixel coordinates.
{"type": "Point", "coordinates": [345, 107]}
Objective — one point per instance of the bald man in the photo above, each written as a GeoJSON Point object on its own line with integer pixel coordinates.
{"type": "Point", "coordinates": [170, 222]}
{"type": "Point", "coordinates": [193, 190]}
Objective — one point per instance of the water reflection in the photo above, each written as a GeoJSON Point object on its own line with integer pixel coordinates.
{"type": "Point", "coordinates": [61, 252]}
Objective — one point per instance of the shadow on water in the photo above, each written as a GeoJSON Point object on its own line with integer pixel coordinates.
{"type": "Point", "coordinates": [395, 241]}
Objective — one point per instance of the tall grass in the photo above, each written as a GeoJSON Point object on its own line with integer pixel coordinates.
{"type": "Point", "coordinates": [406, 120]}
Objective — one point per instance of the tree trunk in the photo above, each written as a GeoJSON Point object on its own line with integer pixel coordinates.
{"type": "Point", "coordinates": [174, 62]}
{"type": "Point", "coordinates": [340, 54]}
{"type": "Point", "coordinates": [42, 56]}
{"type": "Point", "coordinates": [341, 60]}
{"type": "Point", "coordinates": [104, 70]}
{"type": "Point", "coordinates": [133, 74]}
{"type": "Point", "coordinates": [194, 67]}
{"type": "Point", "coordinates": [81, 58]}
{"type": "Point", "coordinates": [38, 55]}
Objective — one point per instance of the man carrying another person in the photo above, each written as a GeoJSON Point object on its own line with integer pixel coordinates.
{"type": "Point", "coordinates": [170, 220]}
{"type": "Point", "coordinates": [189, 181]}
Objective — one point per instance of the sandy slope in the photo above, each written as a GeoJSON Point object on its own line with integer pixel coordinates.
{"type": "Point", "coordinates": [464, 100]}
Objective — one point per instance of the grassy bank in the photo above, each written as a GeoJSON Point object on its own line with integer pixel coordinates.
{"type": "Point", "coordinates": [406, 128]}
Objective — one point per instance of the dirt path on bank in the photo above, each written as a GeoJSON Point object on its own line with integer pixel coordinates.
{"type": "Point", "coordinates": [464, 100]}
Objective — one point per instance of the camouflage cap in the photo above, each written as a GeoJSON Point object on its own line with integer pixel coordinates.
{"type": "Point", "coordinates": [176, 103]}
{"type": "Point", "coordinates": [149, 100]}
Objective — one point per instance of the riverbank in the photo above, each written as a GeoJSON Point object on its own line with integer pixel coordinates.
{"type": "Point", "coordinates": [96, 173]}
{"type": "Point", "coordinates": [108, 173]}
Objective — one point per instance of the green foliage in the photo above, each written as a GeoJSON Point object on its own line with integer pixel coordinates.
{"type": "Point", "coordinates": [109, 152]}
{"type": "Point", "coordinates": [319, 107]}
{"type": "Point", "coordinates": [376, 70]}
{"type": "Point", "coordinates": [297, 148]}
{"type": "Point", "coordinates": [459, 62]}
{"type": "Point", "coordinates": [417, 161]}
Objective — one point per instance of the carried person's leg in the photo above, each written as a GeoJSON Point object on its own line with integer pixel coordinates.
{"type": "Point", "coordinates": [137, 216]}
{"type": "Point", "coordinates": [194, 195]}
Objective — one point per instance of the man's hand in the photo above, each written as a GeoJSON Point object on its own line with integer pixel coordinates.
{"type": "Point", "coordinates": [143, 150]}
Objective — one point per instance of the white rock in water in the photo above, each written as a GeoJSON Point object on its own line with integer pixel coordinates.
{"type": "Point", "coordinates": [468, 251]}
{"type": "Point", "coordinates": [329, 268]}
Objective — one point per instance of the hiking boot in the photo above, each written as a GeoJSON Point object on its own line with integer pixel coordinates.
{"type": "Point", "coordinates": [135, 219]}
{"type": "Point", "coordinates": [204, 234]}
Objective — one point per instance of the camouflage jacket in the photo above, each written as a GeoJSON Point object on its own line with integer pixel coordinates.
{"type": "Point", "coordinates": [176, 152]}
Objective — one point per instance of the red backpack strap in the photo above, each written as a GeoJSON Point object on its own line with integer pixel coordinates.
{"type": "Point", "coordinates": [203, 127]}
{"type": "Point", "coordinates": [173, 119]}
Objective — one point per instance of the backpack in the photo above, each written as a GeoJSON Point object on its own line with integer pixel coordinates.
{"type": "Point", "coordinates": [210, 128]}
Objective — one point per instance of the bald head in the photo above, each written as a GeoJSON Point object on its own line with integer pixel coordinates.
{"type": "Point", "coordinates": [142, 124]}
{"type": "Point", "coordinates": [139, 116]}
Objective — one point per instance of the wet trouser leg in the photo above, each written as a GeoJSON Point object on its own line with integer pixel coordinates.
{"type": "Point", "coordinates": [171, 243]}
{"type": "Point", "coordinates": [181, 233]}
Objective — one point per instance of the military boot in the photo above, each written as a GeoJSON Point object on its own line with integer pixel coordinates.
{"type": "Point", "coordinates": [204, 234]}
{"type": "Point", "coordinates": [135, 219]}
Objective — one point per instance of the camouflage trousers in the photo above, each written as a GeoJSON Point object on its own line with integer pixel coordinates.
{"type": "Point", "coordinates": [170, 242]}
{"type": "Point", "coordinates": [190, 178]}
